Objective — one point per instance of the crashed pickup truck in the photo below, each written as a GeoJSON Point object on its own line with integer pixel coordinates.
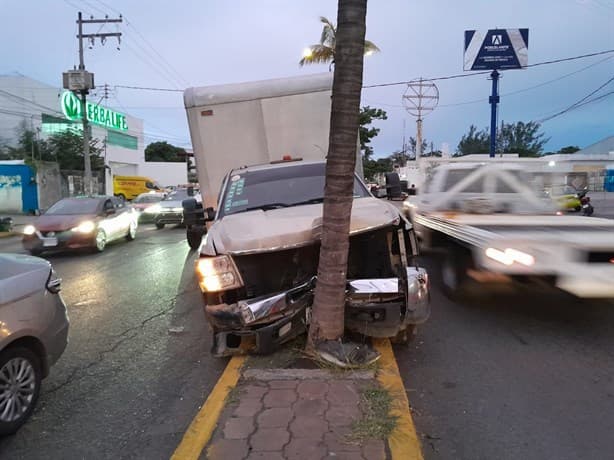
{"type": "Point", "coordinates": [259, 258]}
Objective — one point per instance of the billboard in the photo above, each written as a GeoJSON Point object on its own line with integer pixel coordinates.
{"type": "Point", "coordinates": [496, 49]}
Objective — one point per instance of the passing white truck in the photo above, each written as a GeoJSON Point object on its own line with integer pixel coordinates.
{"type": "Point", "coordinates": [494, 227]}
{"type": "Point", "coordinates": [260, 153]}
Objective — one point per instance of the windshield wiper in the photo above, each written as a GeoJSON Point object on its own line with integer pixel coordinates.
{"type": "Point", "coordinates": [266, 207]}
{"type": "Point", "coordinates": [310, 201]}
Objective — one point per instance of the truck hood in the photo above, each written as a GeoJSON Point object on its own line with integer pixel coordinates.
{"type": "Point", "coordinates": [276, 229]}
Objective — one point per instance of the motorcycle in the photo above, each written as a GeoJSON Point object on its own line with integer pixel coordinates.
{"type": "Point", "coordinates": [585, 203]}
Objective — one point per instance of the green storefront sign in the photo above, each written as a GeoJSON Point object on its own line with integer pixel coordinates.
{"type": "Point", "coordinates": [71, 106]}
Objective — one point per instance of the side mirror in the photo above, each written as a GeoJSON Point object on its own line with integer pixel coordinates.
{"type": "Point", "coordinates": [209, 214]}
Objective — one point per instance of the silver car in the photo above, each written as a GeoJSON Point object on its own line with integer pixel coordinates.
{"type": "Point", "coordinates": [33, 334]}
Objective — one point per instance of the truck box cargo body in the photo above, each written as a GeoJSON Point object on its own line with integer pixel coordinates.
{"type": "Point", "coordinates": [257, 122]}
{"type": "Point", "coordinates": [258, 262]}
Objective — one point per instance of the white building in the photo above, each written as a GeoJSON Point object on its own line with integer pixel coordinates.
{"type": "Point", "coordinates": [46, 110]}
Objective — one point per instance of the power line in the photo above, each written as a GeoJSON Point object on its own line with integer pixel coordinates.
{"type": "Point", "coordinates": [476, 101]}
{"type": "Point", "coordinates": [577, 104]}
{"type": "Point", "coordinates": [176, 75]}
{"type": "Point", "coordinates": [464, 75]}
{"type": "Point", "coordinates": [149, 88]}
{"type": "Point", "coordinates": [140, 52]}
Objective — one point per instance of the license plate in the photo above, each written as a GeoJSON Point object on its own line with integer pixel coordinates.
{"type": "Point", "coordinates": [47, 242]}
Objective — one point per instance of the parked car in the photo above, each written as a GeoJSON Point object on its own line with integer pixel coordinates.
{"type": "Point", "coordinates": [81, 222]}
{"type": "Point", "coordinates": [33, 335]}
{"type": "Point", "coordinates": [169, 210]}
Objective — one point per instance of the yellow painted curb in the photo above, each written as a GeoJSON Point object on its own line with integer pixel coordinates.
{"type": "Point", "coordinates": [200, 430]}
{"type": "Point", "coordinates": [403, 441]}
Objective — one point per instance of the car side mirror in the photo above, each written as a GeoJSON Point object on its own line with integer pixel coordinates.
{"type": "Point", "coordinates": [209, 214]}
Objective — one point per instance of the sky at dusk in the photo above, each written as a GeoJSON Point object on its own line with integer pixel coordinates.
{"type": "Point", "coordinates": [184, 43]}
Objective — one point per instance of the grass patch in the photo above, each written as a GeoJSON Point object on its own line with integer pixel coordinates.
{"type": "Point", "coordinates": [233, 396]}
{"type": "Point", "coordinates": [376, 422]}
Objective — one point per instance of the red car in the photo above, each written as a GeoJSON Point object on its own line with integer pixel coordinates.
{"type": "Point", "coordinates": [81, 222]}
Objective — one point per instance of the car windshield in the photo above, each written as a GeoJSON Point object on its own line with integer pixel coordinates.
{"type": "Point", "coordinates": [74, 206]}
{"type": "Point", "coordinates": [149, 198]}
{"type": "Point", "coordinates": [278, 187]}
{"type": "Point", "coordinates": [177, 195]}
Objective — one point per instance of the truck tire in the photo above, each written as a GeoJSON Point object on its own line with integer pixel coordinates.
{"type": "Point", "coordinates": [194, 237]}
{"type": "Point", "coordinates": [454, 268]}
{"type": "Point", "coordinates": [160, 226]}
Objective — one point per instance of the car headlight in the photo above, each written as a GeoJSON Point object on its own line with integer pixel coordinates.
{"type": "Point", "coordinates": [509, 256]}
{"type": "Point", "coordinates": [85, 227]}
{"type": "Point", "coordinates": [29, 230]}
{"type": "Point", "coordinates": [217, 274]}
{"type": "Point", "coordinates": [156, 208]}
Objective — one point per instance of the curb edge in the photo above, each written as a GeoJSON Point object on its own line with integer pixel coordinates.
{"type": "Point", "coordinates": [204, 422]}
{"type": "Point", "coordinates": [403, 441]}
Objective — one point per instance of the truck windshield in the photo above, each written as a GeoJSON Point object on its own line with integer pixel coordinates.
{"type": "Point", "coordinates": [277, 188]}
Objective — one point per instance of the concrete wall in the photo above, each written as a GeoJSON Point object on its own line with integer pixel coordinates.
{"type": "Point", "coordinates": [49, 182]}
{"type": "Point", "coordinates": [17, 189]}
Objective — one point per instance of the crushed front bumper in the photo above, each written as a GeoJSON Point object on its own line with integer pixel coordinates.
{"type": "Point", "coordinates": [374, 308]}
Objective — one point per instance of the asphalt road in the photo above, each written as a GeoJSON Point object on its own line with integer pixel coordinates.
{"type": "Point", "coordinates": [137, 367]}
{"type": "Point", "coordinates": [525, 375]}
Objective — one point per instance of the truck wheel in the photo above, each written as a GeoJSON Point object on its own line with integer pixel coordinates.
{"type": "Point", "coordinates": [454, 271]}
{"type": "Point", "coordinates": [194, 238]}
{"type": "Point", "coordinates": [159, 226]}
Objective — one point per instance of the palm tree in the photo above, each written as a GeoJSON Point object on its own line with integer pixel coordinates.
{"type": "Point", "coordinates": [328, 308]}
{"type": "Point", "coordinates": [324, 51]}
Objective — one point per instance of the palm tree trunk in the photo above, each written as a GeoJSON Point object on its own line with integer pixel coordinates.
{"type": "Point", "coordinates": [328, 307]}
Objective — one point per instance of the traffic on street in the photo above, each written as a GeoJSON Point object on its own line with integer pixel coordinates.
{"type": "Point", "coordinates": [307, 230]}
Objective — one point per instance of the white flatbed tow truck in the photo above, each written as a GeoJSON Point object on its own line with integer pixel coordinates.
{"type": "Point", "coordinates": [493, 227]}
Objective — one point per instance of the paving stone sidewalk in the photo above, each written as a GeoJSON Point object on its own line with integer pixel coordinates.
{"type": "Point", "coordinates": [309, 417]}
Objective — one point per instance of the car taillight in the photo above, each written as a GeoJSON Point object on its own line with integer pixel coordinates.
{"type": "Point", "coordinates": [54, 284]}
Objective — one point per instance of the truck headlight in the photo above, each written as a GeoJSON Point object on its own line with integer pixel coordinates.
{"type": "Point", "coordinates": [509, 256]}
{"type": "Point", "coordinates": [85, 227]}
{"type": "Point", "coordinates": [217, 274]}
{"type": "Point", "coordinates": [29, 230]}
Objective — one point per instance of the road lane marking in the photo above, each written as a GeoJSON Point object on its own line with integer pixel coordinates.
{"type": "Point", "coordinates": [403, 441]}
{"type": "Point", "coordinates": [200, 430]}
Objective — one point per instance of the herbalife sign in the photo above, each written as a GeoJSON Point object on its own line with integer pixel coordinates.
{"type": "Point", "coordinates": [96, 114]}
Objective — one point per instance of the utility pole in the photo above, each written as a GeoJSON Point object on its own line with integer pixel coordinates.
{"type": "Point", "coordinates": [87, 84]}
{"type": "Point", "coordinates": [493, 100]}
{"type": "Point", "coordinates": [420, 98]}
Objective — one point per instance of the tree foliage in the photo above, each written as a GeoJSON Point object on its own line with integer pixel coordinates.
{"type": "Point", "coordinates": [520, 137]}
{"type": "Point", "coordinates": [367, 115]}
{"type": "Point", "coordinates": [65, 148]}
{"type": "Point", "coordinates": [324, 52]}
{"type": "Point", "coordinates": [163, 151]}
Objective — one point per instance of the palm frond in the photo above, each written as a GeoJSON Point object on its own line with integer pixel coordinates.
{"type": "Point", "coordinates": [328, 32]}
{"type": "Point", "coordinates": [371, 47]}
{"type": "Point", "coordinates": [320, 54]}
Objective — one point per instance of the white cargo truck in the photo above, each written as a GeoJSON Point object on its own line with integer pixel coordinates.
{"type": "Point", "coordinates": [494, 227]}
{"type": "Point", "coordinates": [260, 153]}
